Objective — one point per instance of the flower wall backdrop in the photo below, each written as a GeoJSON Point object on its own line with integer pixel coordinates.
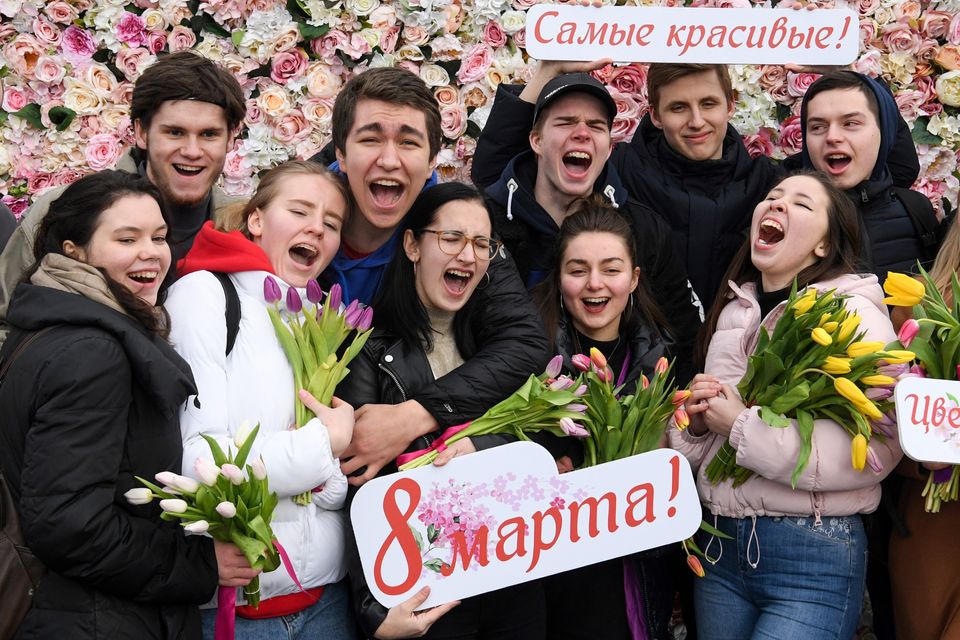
{"type": "Point", "coordinates": [68, 69]}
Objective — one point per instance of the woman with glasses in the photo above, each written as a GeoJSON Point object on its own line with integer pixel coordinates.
{"type": "Point", "coordinates": [424, 314]}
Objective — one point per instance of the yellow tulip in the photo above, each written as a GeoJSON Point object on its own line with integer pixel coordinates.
{"type": "Point", "coordinates": [848, 326]}
{"type": "Point", "coordinates": [850, 391]}
{"type": "Point", "coordinates": [877, 381]}
{"type": "Point", "coordinates": [835, 365]}
{"type": "Point", "coordinates": [902, 290]}
{"type": "Point", "coordinates": [803, 303]}
{"type": "Point", "coordinates": [870, 410]}
{"type": "Point", "coordinates": [898, 356]}
{"type": "Point", "coordinates": [831, 326]}
{"type": "Point", "coordinates": [824, 318]}
{"type": "Point", "coordinates": [821, 337]}
{"type": "Point", "coordinates": [861, 348]}
{"type": "Point", "coordinates": [858, 452]}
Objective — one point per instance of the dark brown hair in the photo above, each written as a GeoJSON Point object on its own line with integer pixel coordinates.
{"type": "Point", "coordinates": [233, 217]}
{"type": "Point", "coordinates": [594, 214]}
{"type": "Point", "coordinates": [387, 84]}
{"type": "Point", "coordinates": [662, 74]}
{"type": "Point", "coordinates": [843, 251]}
{"type": "Point", "coordinates": [186, 75]}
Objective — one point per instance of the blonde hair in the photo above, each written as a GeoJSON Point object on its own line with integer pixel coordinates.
{"type": "Point", "coordinates": [947, 262]}
{"type": "Point", "coordinates": [234, 216]}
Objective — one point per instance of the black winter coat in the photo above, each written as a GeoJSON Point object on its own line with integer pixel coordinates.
{"type": "Point", "coordinates": [529, 235]}
{"type": "Point", "coordinates": [86, 407]}
{"type": "Point", "coordinates": [389, 371]}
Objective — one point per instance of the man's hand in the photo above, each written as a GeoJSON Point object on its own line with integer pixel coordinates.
{"type": "Point", "coordinates": [381, 433]}
{"type": "Point", "coordinates": [550, 69]}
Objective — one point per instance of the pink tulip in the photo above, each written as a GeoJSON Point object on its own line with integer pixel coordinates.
{"type": "Point", "coordinates": [661, 367]}
{"type": "Point", "coordinates": [878, 393]}
{"type": "Point", "coordinates": [206, 471]}
{"type": "Point", "coordinates": [554, 367]}
{"type": "Point", "coordinates": [579, 408]}
{"type": "Point", "coordinates": [908, 332]}
{"type": "Point", "coordinates": [232, 473]}
{"type": "Point", "coordinates": [352, 314]}
{"type": "Point", "coordinates": [581, 362]}
{"type": "Point", "coordinates": [874, 461]}
{"type": "Point", "coordinates": [893, 370]}
{"type": "Point", "coordinates": [581, 390]}
{"type": "Point", "coordinates": [562, 383]}
{"type": "Point", "coordinates": [571, 428]}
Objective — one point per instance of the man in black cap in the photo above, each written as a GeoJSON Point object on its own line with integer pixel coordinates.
{"type": "Point", "coordinates": [570, 147]}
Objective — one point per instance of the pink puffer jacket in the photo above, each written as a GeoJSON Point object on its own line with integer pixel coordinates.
{"type": "Point", "coordinates": [829, 485]}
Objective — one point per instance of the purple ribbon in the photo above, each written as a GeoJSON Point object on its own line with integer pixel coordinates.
{"type": "Point", "coordinates": [942, 475]}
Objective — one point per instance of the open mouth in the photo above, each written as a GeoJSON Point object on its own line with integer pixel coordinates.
{"type": "Point", "coordinates": [595, 305]}
{"type": "Point", "coordinates": [386, 193]}
{"type": "Point", "coordinates": [838, 162]}
{"type": "Point", "coordinates": [769, 233]}
{"type": "Point", "coordinates": [577, 162]}
{"type": "Point", "coordinates": [187, 170]}
{"type": "Point", "coordinates": [456, 280]}
{"type": "Point", "coordinates": [303, 254]}
{"type": "Point", "coordinates": [144, 277]}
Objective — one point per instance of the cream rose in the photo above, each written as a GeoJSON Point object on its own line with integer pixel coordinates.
{"type": "Point", "coordinates": [512, 21]}
{"type": "Point", "coordinates": [321, 83]}
{"type": "Point", "coordinates": [49, 70]}
{"type": "Point", "coordinates": [154, 20]}
{"type": "Point", "coordinates": [361, 7]}
{"type": "Point", "coordinates": [82, 98]}
{"type": "Point", "coordinates": [274, 101]}
{"type": "Point", "coordinates": [434, 75]}
{"type": "Point", "coordinates": [948, 88]}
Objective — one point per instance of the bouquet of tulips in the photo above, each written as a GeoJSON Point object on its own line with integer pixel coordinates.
{"type": "Point", "coordinates": [933, 334]}
{"type": "Point", "coordinates": [311, 337]}
{"type": "Point", "coordinates": [815, 365]}
{"type": "Point", "coordinates": [232, 502]}
{"type": "Point", "coordinates": [618, 427]}
{"type": "Point", "coordinates": [548, 402]}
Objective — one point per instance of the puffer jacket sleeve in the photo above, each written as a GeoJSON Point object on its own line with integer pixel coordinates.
{"type": "Point", "coordinates": [72, 457]}
{"type": "Point", "coordinates": [694, 448]}
{"type": "Point", "coordinates": [511, 345]}
{"type": "Point", "coordinates": [772, 453]}
{"type": "Point", "coordinates": [505, 135]}
{"type": "Point", "coordinates": [298, 459]}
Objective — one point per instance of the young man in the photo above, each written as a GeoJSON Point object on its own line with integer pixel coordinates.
{"type": "Point", "coordinates": [686, 162]}
{"type": "Point", "coordinates": [849, 126]}
{"type": "Point", "coordinates": [570, 147]}
{"type": "Point", "coordinates": [186, 112]}
{"type": "Point", "coordinates": [386, 135]}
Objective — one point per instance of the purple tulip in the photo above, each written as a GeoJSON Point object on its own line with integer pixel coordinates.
{"type": "Point", "coordinates": [873, 461]}
{"type": "Point", "coordinates": [908, 332]}
{"type": "Point", "coordinates": [562, 383]}
{"type": "Point", "coordinates": [366, 319]}
{"type": "Point", "coordinates": [314, 293]}
{"type": "Point", "coordinates": [878, 393]}
{"type": "Point", "coordinates": [884, 426]}
{"type": "Point", "coordinates": [336, 296]}
{"type": "Point", "coordinates": [352, 314]}
{"type": "Point", "coordinates": [571, 428]}
{"type": "Point", "coordinates": [581, 390]}
{"type": "Point", "coordinates": [581, 362]}
{"type": "Point", "coordinates": [271, 290]}
{"type": "Point", "coordinates": [918, 371]}
{"type": "Point", "coordinates": [579, 408]}
{"type": "Point", "coordinates": [294, 303]}
{"type": "Point", "coordinates": [554, 367]}
{"type": "Point", "coordinates": [893, 370]}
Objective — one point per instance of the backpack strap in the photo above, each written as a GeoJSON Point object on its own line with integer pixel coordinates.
{"type": "Point", "coordinates": [232, 310]}
{"type": "Point", "coordinates": [924, 219]}
{"type": "Point", "coordinates": [20, 348]}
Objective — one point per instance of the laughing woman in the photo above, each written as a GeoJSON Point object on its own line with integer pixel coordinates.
{"type": "Point", "coordinates": [424, 315]}
{"type": "Point", "coordinates": [795, 566]}
{"type": "Point", "coordinates": [290, 231]}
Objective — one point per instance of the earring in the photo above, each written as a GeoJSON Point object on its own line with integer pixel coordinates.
{"type": "Point", "coordinates": [482, 284]}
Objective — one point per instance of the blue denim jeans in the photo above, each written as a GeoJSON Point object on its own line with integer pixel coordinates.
{"type": "Point", "coordinates": [783, 578]}
{"type": "Point", "coordinates": [329, 618]}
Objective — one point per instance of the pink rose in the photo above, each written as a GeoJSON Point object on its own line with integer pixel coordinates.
{"type": "Point", "coordinates": [14, 98]}
{"type": "Point", "coordinates": [520, 38]}
{"type": "Point", "coordinates": [156, 41]}
{"type": "Point", "coordinates": [927, 50]}
{"type": "Point", "coordinates": [16, 205]}
{"type": "Point", "coordinates": [907, 9]}
{"type": "Point", "coordinates": [61, 12]}
{"type": "Point", "coordinates": [465, 147]}
{"type": "Point", "coordinates": [798, 83]}
{"type": "Point", "coordinates": [254, 114]}
{"type": "Point", "coordinates": [133, 62]}
{"type": "Point", "coordinates": [630, 79]}
{"type": "Point", "coordinates": [318, 112]}
{"type": "Point", "coordinates": [520, 5]}
{"type": "Point", "coordinates": [415, 35]}
{"type": "Point", "coordinates": [454, 17]}
{"type": "Point", "coordinates": [475, 63]}
{"type": "Point", "coordinates": [49, 70]}
{"type": "Point", "coordinates": [357, 47]}
{"type": "Point", "coordinates": [78, 45]}
{"type": "Point", "coordinates": [326, 48]}
{"type": "Point", "coordinates": [446, 96]}
{"type": "Point", "coordinates": [759, 144]}
{"type": "Point", "coordinates": [868, 31]}
{"type": "Point", "coordinates": [868, 64]}
{"type": "Point", "coordinates": [47, 34]}
{"type": "Point", "coordinates": [291, 126]}
{"type": "Point", "coordinates": [867, 7]}
{"type": "Point", "coordinates": [493, 34]}
{"type": "Point", "coordinates": [909, 103]}
{"type": "Point", "coordinates": [39, 181]}
{"type": "Point", "coordinates": [102, 151]}
{"type": "Point", "coordinates": [22, 53]}
{"type": "Point", "coordinates": [131, 30]}
{"type": "Point", "coordinates": [628, 116]}
{"type": "Point", "coordinates": [453, 121]}
{"type": "Point", "coordinates": [899, 37]}
{"type": "Point", "coordinates": [68, 175]}
{"type": "Point", "coordinates": [934, 24]}
{"type": "Point", "coordinates": [181, 38]}
{"type": "Point", "coordinates": [388, 39]}
{"type": "Point", "coordinates": [791, 135]}
{"type": "Point", "coordinates": [953, 32]}
{"type": "Point", "coordinates": [288, 65]}
{"type": "Point", "coordinates": [234, 166]}
{"type": "Point", "coordinates": [410, 66]}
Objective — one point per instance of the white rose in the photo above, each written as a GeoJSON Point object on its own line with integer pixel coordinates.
{"type": "Point", "coordinates": [512, 21]}
{"type": "Point", "coordinates": [210, 48]}
{"type": "Point", "coordinates": [5, 165]}
{"type": "Point", "coordinates": [82, 98]}
{"type": "Point", "coordinates": [372, 36]}
{"type": "Point", "coordinates": [154, 20]}
{"type": "Point", "coordinates": [410, 52]}
{"type": "Point", "coordinates": [434, 75]}
{"type": "Point", "coordinates": [948, 88]}
{"type": "Point", "coordinates": [361, 7]}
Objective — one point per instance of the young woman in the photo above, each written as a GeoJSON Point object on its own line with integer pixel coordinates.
{"type": "Point", "coordinates": [934, 613]}
{"type": "Point", "coordinates": [595, 297]}
{"type": "Point", "coordinates": [423, 319]}
{"type": "Point", "coordinates": [795, 566]}
{"type": "Point", "coordinates": [290, 231]}
{"type": "Point", "coordinates": [90, 403]}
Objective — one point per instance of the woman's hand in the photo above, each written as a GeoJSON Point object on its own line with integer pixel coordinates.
{"type": "Point", "coordinates": [337, 418]}
{"type": "Point", "coordinates": [723, 410]}
{"type": "Point", "coordinates": [459, 448]}
{"type": "Point", "coordinates": [565, 464]}
{"type": "Point", "coordinates": [703, 387]}
{"type": "Point", "coordinates": [232, 565]}
{"type": "Point", "coordinates": [403, 621]}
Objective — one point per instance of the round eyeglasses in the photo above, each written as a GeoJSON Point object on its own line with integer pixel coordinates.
{"type": "Point", "coordinates": [453, 242]}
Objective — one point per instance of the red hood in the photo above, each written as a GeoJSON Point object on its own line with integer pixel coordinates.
{"type": "Point", "coordinates": [223, 251]}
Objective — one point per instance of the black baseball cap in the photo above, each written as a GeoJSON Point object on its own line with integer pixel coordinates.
{"type": "Point", "coordinates": [575, 83]}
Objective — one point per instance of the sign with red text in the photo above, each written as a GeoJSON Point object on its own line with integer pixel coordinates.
{"type": "Point", "coordinates": [928, 419]}
{"type": "Point", "coordinates": [504, 516]}
{"type": "Point", "coordinates": [693, 35]}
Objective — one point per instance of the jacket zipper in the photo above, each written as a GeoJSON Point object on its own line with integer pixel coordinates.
{"type": "Point", "coordinates": [511, 187]}
{"type": "Point", "coordinates": [396, 380]}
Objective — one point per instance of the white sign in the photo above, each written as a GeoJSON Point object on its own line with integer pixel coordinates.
{"type": "Point", "coordinates": [504, 516]}
{"type": "Point", "coordinates": [693, 35]}
{"type": "Point", "coordinates": [928, 419]}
